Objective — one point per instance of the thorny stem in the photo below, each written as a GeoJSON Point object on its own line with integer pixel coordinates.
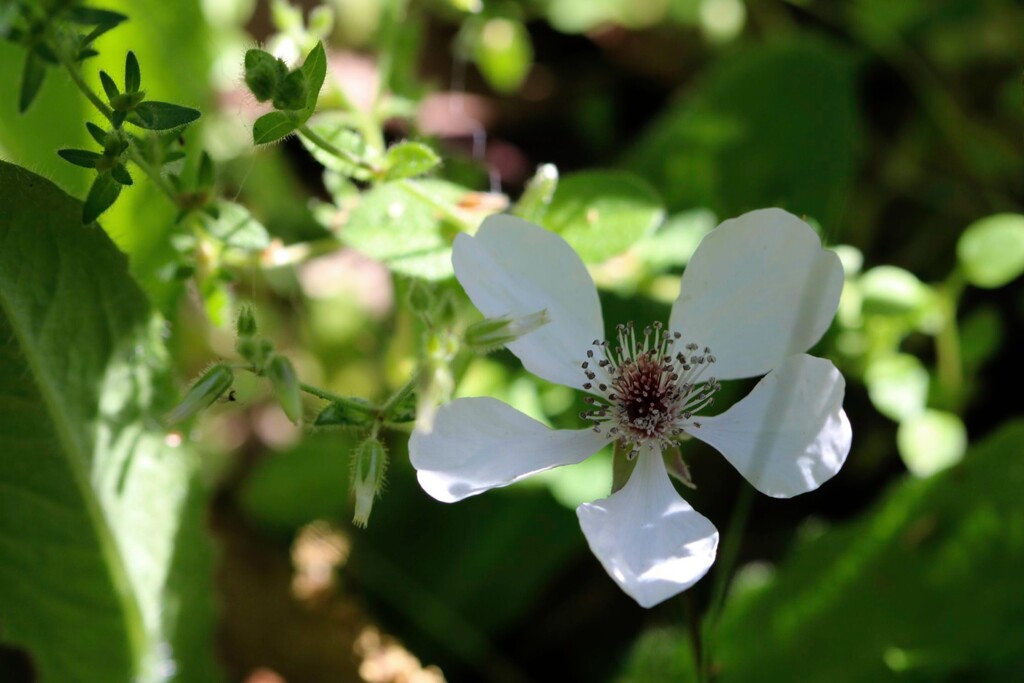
{"type": "Point", "coordinates": [723, 573]}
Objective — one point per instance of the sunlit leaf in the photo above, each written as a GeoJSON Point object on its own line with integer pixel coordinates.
{"type": "Point", "coordinates": [602, 213]}
{"type": "Point", "coordinates": [95, 500]}
{"type": "Point", "coordinates": [991, 250]}
{"type": "Point", "coordinates": [272, 127]}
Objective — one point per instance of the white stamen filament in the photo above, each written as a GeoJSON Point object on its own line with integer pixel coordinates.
{"type": "Point", "coordinates": [646, 392]}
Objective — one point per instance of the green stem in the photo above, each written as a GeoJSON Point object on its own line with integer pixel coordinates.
{"type": "Point", "coordinates": [399, 395]}
{"type": "Point", "coordinates": [324, 394]}
{"type": "Point", "coordinates": [154, 175]}
{"type": "Point", "coordinates": [76, 77]}
{"type": "Point", "coordinates": [947, 342]}
{"type": "Point", "coordinates": [723, 573]}
{"type": "Point", "coordinates": [336, 151]}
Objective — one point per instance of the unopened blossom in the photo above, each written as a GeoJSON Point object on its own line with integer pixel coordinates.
{"type": "Point", "coordinates": [759, 291]}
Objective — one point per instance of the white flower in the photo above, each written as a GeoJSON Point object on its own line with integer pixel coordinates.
{"type": "Point", "coordinates": [758, 292]}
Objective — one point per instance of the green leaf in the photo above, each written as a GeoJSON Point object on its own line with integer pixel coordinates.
{"type": "Point", "coordinates": [132, 75]}
{"type": "Point", "coordinates": [97, 133]}
{"type": "Point", "coordinates": [272, 127]}
{"type": "Point", "coordinates": [892, 291]}
{"type": "Point", "coordinates": [931, 442]}
{"type": "Point", "coordinates": [315, 70]}
{"type": "Point", "coordinates": [31, 80]}
{"type": "Point", "coordinates": [102, 194]}
{"type": "Point", "coordinates": [409, 159]}
{"type": "Point", "coordinates": [402, 231]}
{"type": "Point", "coordinates": [235, 227]}
{"type": "Point", "coordinates": [93, 582]}
{"type": "Point", "coordinates": [356, 412]}
{"type": "Point", "coordinates": [897, 385]}
{"type": "Point", "coordinates": [121, 175]}
{"type": "Point", "coordinates": [602, 213]}
{"type": "Point", "coordinates": [991, 250]}
{"type": "Point", "coordinates": [162, 115]}
{"type": "Point", "coordinates": [771, 124]}
{"type": "Point", "coordinates": [109, 87]}
{"type": "Point", "coordinates": [925, 586]}
{"type": "Point", "coordinates": [90, 16]}
{"type": "Point", "coordinates": [80, 157]}
{"type": "Point", "coordinates": [205, 174]}
{"type": "Point", "coordinates": [503, 53]}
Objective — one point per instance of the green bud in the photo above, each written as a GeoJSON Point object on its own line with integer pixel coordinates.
{"type": "Point", "coordinates": [291, 92]}
{"type": "Point", "coordinates": [245, 326]}
{"type": "Point", "coordinates": [369, 466]}
{"type": "Point", "coordinates": [492, 333]}
{"type": "Point", "coordinates": [286, 387]}
{"type": "Point", "coordinates": [263, 73]}
{"type": "Point", "coordinates": [207, 389]}
{"type": "Point", "coordinates": [536, 198]}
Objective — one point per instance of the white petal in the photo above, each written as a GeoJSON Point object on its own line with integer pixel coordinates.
{"type": "Point", "coordinates": [481, 443]}
{"type": "Point", "coordinates": [759, 288]}
{"type": "Point", "coordinates": [790, 434]}
{"type": "Point", "coordinates": [512, 267]}
{"type": "Point", "coordinates": [650, 541]}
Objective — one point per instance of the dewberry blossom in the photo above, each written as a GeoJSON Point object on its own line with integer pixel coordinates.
{"type": "Point", "coordinates": [758, 292]}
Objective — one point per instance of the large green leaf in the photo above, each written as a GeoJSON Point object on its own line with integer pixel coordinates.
{"type": "Point", "coordinates": [925, 586]}
{"type": "Point", "coordinates": [398, 228]}
{"type": "Point", "coordinates": [602, 213]}
{"type": "Point", "coordinates": [98, 570]}
{"type": "Point", "coordinates": [771, 125]}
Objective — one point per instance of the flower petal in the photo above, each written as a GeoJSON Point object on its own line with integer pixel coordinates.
{"type": "Point", "coordinates": [758, 289]}
{"type": "Point", "coordinates": [481, 443]}
{"type": "Point", "coordinates": [650, 541]}
{"type": "Point", "coordinates": [790, 434]}
{"type": "Point", "coordinates": [512, 267]}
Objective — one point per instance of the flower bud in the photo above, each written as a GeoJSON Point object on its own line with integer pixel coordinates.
{"type": "Point", "coordinates": [291, 91]}
{"type": "Point", "coordinates": [286, 387]}
{"type": "Point", "coordinates": [492, 333]}
{"type": "Point", "coordinates": [245, 326]}
{"type": "Point", "coordinates": [205, 391]}
{"type": "Point", "coordinates": [369, 465]}
{"type": "Point", "coordinates": [540, 189]}
{"type": "Point", "coordinates": [263, 73]}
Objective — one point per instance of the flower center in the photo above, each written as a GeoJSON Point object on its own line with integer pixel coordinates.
{"type": "Point", "coordinates": [646, 388]}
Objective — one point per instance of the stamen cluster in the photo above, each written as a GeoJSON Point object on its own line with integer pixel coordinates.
{"type": "Point", "coordinates": [646, 390]}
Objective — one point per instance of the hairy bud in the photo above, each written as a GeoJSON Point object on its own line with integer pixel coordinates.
{"type": "Point", "coordinates": [369, 466]}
